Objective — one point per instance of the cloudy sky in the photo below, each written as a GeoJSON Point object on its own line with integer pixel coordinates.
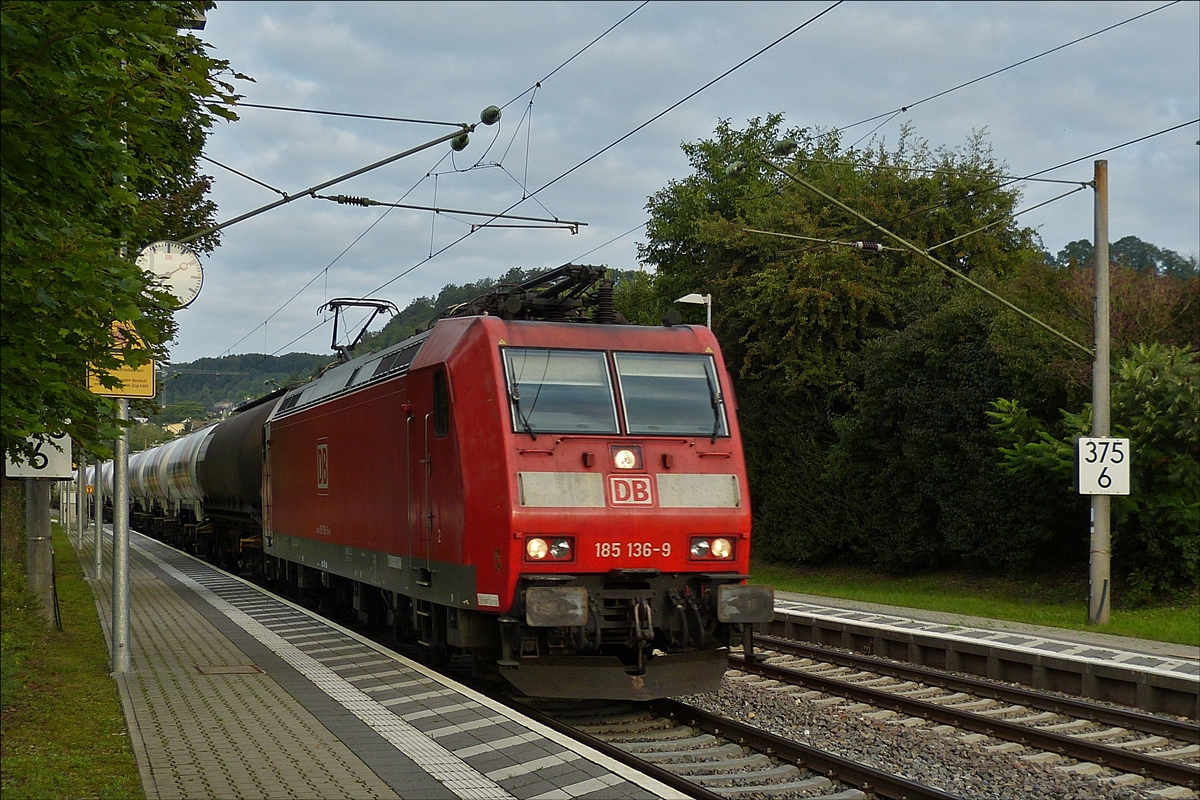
{"type": "Point", "coordinates": [447, 61]}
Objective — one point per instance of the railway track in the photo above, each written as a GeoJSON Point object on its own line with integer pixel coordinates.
{"type": "Point", "coordinates": [715, 758]}
{"type": "Point", "coordinates": [1133, 742]}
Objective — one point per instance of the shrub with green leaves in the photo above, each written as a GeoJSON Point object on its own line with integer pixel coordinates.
{"type": "Point", "coordinates": [1156, 405]}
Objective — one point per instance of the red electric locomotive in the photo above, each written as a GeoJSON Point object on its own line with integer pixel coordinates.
{"type": "Point", "coordinates": [565, 500]}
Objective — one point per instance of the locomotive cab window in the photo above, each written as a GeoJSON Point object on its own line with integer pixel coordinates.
{"type": "Point", "coordinates": [441, 405]}
{"type": "Point", "coordinates": [559, 391]}
{"type": "Point", "coordinates": [671, 394]}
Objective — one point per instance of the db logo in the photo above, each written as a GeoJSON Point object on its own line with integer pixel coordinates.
{"type": "Point", "coordinates": [630, 490]}
{"type": "Point", "coordinates": [322, 466]}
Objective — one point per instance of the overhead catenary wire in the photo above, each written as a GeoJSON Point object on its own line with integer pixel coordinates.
{"type": "Point", "coordinates": [366, 201]}
{"type": "Point", "coordinates": [577, 54]}
{"type": "Point", "coordinates": [239, 104]}
{"type": "Point", "coordinates": [244, 175]}
{"type": "Point", "coordinates": [876, 247]}
{"type": "Point", "coordinates": [925, 254]}
{"type": "Point", "coordinates": [1007, 181]}
{"type": "Point", "coordinates": [622, 138]}
{"type": "Point", "coordinates": [536, 85]}
{"type": "Point", "coordinates": [944, 92]}
{"type": "Point", "coordinates": [325, 269]}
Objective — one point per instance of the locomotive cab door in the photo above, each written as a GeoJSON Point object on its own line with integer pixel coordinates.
{"type": "Point", "coordinates": [431, 469]}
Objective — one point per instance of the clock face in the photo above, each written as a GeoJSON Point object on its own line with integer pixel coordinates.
{"type": "Point", "coordinates": [177, 268]}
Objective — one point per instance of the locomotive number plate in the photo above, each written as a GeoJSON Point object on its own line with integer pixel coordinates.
{"type": "Point", "coordinates": [630, 490]}
{"type": "Point", "coordinates": [631, 549]}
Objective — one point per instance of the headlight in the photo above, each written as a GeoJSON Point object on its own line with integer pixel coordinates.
{"type": "Point", "coordinates": [626, 457]}
{"type": "Point", "coordinates": [704, 548]}
{"type": "Point", "coordinates": [556, 548]}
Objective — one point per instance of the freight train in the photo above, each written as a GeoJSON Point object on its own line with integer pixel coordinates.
{"type": "Point", "coordinates": [528, 484]}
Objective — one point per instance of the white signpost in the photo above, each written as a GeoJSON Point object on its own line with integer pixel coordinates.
{"type": "Point", "coordinates": [51, 459]}
{"type": "Point", "coordinates": [1102, 465]}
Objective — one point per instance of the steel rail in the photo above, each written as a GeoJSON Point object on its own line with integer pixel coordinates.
{"type": "Point", "coordinates": [1117, 758]}
{"type": "Point", "coordinates": [656, 772]}
{"type": "Point", "coordinates": [862, 776]}
{"type": "Point", "coordinates": [1127, 718]}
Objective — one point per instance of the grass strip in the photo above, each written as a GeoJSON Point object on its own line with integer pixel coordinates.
{"type": "Point", "coordinates": [64, 730]}
{"type": "Point", "coordinates": [1052, 601]}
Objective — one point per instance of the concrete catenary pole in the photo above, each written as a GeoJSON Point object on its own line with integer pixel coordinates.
{"type": "Point", "coordinates": [39, 553]}
{"type": "Point", "coordinates": [1099, 565]}
{"type": "Point", "coordinates": [120, 586]}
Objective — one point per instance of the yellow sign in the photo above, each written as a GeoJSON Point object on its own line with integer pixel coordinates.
{"type": "Point", "coordinates": [90, 489]}
{"type": "Point", "coordinates": [133, 382]}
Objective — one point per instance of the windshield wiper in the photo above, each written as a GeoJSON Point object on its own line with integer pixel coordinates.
{"type": "Point", "coordinates": [715, 398]}
{"type": "Point", "coordinates": [515, 394]}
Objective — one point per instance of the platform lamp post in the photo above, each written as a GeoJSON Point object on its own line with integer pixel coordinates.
{"type": "Point", "coordinates": [698, 300]}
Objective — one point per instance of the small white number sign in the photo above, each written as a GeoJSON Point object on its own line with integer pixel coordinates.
{"type": "Point", "coordinates": [51, 459]}
{"type": "Point", "coordinates": [1102, 466]}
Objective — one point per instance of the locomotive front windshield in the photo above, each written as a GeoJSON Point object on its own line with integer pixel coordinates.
{"type": "Point", "coordinates": [559, 391]}
{"type": "Point", "coordinates": [671, 393]}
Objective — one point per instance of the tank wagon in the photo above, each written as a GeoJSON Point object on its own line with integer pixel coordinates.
{"type": "Point", "coordinates": [562, 499]}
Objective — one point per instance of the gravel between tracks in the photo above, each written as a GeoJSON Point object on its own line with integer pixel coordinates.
{"type": "Point", "coordinates": [917, 753]}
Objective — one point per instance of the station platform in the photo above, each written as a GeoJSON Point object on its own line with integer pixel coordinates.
{"type": "Point", "coordinates": [1153, 676]}
{"type": "Point", "coordinates": [1168, 657]}
{"type": "Point", "coordinates": [236, 693]}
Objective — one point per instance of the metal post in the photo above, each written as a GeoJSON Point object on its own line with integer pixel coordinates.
{"type": "Point", "coordinates": [1099, 566]}
{"type": "Point", "coordinates": [79, 504]}
{"type": "Point", "coordinates": [39, 553]}
{"type": "Point", "coordinates": [98, 540]}
{"type": "Point", "coordinates": [708, 308]}
{"type": "Point", "coordinates": [120, 587]}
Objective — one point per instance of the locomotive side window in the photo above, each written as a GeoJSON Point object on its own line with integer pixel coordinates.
{"type": "Point", "coordinates": [559, 391]}
{"type": "Point", "coordinates": [441, 405]}
{"type": "Point", "coordinates": [671, 393]}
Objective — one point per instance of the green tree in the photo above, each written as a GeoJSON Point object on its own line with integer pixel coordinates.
{"type": "Point", "coordinates": [835, 350]}
{"type": "Point", "coordinates": [105, 108]}
{"type": "Point", "coordinates": [1155, 404]}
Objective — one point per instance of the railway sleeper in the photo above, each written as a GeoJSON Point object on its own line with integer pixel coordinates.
{"type": "Point", "coordinates": [632, 726]}
{"type": "Point", "coordinates": [757, 762]}
{"type": "Point", "coordinates": [762, 778]}
{"type": "Point", "coordinates": [718, 754]}
{"type": "Point", "coordinates": [660, 735]}
{"type": "Point", "coordinates": [674, 747]}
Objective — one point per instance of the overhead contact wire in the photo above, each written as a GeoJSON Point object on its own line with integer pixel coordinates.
{"type": "Point", "coordinates": [993, 73]}
{"type": "Point", "coordinates": [605, 149]}
{"type": "Point", "coordinates": [430, 122]}
{"type": "Point", "coordinates": [577, 55]}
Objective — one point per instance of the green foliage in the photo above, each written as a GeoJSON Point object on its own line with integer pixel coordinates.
{"type": "Point", "coordinates": [105, 108]}
{"type": "Point", "coordinates": [64, 729]}
{"type": "Point", "coordinates": [24, 623]}
{"type": "Point", "coordinates": [915, 461]}
{"type": "Point", "coordinates": [634, 297]}
{"type": "Point", "coordinates": [1155, 404]}
{"type": "Point", "coordinates": [864, 378]}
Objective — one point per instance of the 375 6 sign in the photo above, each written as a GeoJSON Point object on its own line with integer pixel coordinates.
{"type": "Point", "coordinates": [1102, 466]}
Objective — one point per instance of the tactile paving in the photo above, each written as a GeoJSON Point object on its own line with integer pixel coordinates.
{"type": "Point", "coordinates": [331, 714]}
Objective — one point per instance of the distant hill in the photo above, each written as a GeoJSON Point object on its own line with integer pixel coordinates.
{"type": "Point", "coordinates": [235, 379]}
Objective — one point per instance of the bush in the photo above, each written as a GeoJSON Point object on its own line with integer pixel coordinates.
{"type": "Point", "coordinates": [1156, 405]}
